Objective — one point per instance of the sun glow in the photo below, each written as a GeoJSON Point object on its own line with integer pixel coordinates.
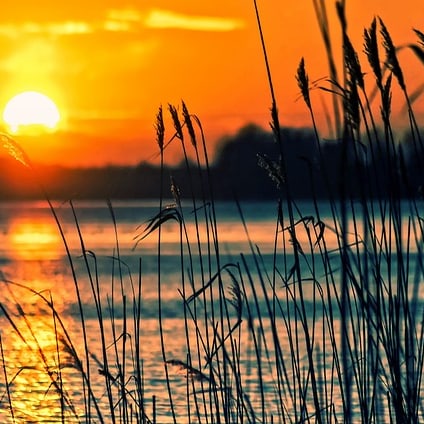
{"type": "Point", "coordinates": [31, 112]}
{"type": "Point", "coordinates": [35, 240]}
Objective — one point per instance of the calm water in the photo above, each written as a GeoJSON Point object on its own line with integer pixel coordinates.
{"type": "Point", "coordinates": [33, 260]}
{"type": "Point", "coordinates": [32, 254]}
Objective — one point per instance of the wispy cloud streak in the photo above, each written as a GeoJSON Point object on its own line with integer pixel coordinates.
{"type": "Point", "coordinates": [50, 28]}
{"type": "Point", "coordinates": [168, 19]}
{"type": "Point", "coordinates": [124, 20]}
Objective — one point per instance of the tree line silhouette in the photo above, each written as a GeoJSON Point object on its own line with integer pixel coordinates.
{"type": "Point", "coordinates": [244, 166]}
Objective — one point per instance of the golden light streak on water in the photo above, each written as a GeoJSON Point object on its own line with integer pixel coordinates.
{"type": "Point", "coordinates": [35, 239]}
{"type": "Point", "coordinates": [38, 363]}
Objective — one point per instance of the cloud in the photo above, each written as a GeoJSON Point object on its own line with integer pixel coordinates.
{"type": "Point", "coordinates": [127, 15]}
{"type": "Point", "coordinates": [123, 20]}
{"type": "Point", "coordinates": [50, 28]}
{"type": "Point", "coordinates": [65, 28]}
{"type": "Point", "coordinates": [70, 27]}
{"type": "Point", "coordinates": [130, 19]}
{"type": "Point", "coordinates": [168, 19]}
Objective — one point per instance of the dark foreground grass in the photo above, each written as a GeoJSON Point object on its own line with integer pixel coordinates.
{"type": "Point", "coordinates": [330, 330]}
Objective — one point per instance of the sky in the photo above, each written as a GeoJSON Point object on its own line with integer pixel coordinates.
{"type": "Point", "coordinates": [109, 64]}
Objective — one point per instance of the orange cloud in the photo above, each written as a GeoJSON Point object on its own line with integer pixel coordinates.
{"type": "Point", "coordinates": [127, 15]}
{"type": "Point", "coordinates": [124, 20]}
{"type": "Point", "coordinates": [169, 19]}
{"type": "Point", "coordinates": [52, 28]}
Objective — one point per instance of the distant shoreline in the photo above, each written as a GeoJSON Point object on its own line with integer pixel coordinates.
{"type": "Point", "coordinates": [243, 169]}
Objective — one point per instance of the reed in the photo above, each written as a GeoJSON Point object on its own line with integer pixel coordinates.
{"type": "Point", "coordinates": [328, 328]}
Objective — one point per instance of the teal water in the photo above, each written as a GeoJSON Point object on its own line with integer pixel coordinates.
{"type": "Point", "coordinates": [33, 254]}
{"type": "Point", "coordinates": [34, 261]}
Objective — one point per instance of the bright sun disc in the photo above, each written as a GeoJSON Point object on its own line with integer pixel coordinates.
{"type": "Point", "coordinates": [31, 110]}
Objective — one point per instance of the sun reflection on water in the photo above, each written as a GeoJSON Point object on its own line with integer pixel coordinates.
{"type": "Point", "coordinates": [34, 239]}
{"type": "Point", "coordinates": [37, 362]}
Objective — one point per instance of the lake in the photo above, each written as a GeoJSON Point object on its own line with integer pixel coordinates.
{"type": "Point", "coordinates": [100, 267]}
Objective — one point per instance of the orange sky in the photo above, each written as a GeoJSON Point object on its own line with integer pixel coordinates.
{"type": "Point", "coordinates": [109, 64]}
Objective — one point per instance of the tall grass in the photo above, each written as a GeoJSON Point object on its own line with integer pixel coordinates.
{"type": "Point", "coordinates": [330, 329]}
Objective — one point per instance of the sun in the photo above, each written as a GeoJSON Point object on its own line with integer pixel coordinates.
{"type": "Point", "coordinates": [31, 112]}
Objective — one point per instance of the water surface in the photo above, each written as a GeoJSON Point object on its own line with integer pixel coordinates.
{"type": "Point", "coordinates": [91, 262]}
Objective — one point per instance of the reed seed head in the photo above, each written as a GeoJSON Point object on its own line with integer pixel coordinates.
{"type": "Point", "coordinates": [177, 123]}
{"type": "Point", "coordinates": [420, 36]}
{"type": "Point", "coordinates": [160, 128]}
{"type": "Point", "coordinates": [236, 298]}
{"type": "Point", "coordinates": [303, 82]}
{"type": "Point", "coordinates": [391, 56]}
{"type": "Point", "coordinates": [272, 168]}
{"type": "Point", "coordinates": [352, 63]}
{"type": "Point", "coordinates": [175, 191]}
{"type": "Point", "coordinates": [189, 123]}
{"type": "Point", "coordinates": [371, 51]}
{"type": "Point", "coordinates": [14, 150]}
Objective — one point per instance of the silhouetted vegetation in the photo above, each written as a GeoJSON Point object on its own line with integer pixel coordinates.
{"type": "Point", "coordinates": [333, 315]}
{"type": "Point", "coordinates": [236, 171]}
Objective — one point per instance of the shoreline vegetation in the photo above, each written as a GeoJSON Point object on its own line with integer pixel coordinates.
{"type": "Point", "coordinates": [336, 333]}
{"type": "Point", "coordinates": [237, 172]}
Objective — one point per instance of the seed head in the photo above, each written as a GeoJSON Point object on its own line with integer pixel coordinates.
{"type": "Point", "coordinates": [189, 124]}
{"type": "Point", "coordinates": [160, 128]}
{"type": "Point", "coordinates": [391, 56]}
{"type": "Point", "coordinates": [371, 51]}
{"type": "Point", "coordinates": [176, 120]}
{"type": "Point", "coordinates": [303, 82]}
{"type": "Point", "coordinates": [352, 63]}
